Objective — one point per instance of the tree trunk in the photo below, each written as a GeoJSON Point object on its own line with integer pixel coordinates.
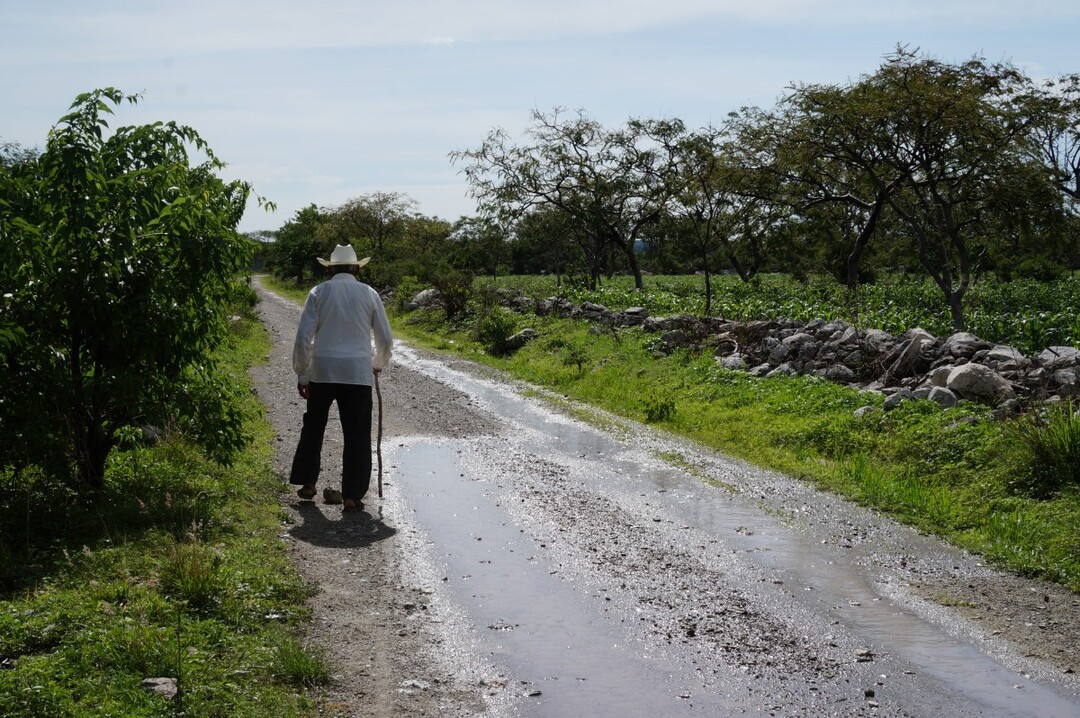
{"type": "Point", "coordinates": [708, 282]}
{"type": "Point", "coordinates": [91, 454]}
{"type": "Point", "coordinates": [854, 259]}
{"type": "Point", "coordinates": [956, 309]}
{"type": "Point", "coordinates": [737, 266]}
{"type": "Point", "coordinates": [631, 257]}
{"type": "Point", "coordinates": [558, 265]}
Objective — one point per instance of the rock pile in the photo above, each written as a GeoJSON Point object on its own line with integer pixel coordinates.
{"type": "Point", "coordinates": [913, 365]}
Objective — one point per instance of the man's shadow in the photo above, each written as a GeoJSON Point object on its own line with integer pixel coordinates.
{"type": "Point", "coordinates": [352, 529]}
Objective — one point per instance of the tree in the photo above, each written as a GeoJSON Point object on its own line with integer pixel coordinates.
{"type": "Point", "coordinates": [1055, 133]}
{"type": "Point", "coordinates": [371, 220]}
{"type": "Point", "coordinates": [546, 239]}
{"type": "Point", "coordinates": [13, 154]}
{"type": "Point", "coordinates": [964, 136]}
{"type": "Point", "coordinates": [725, 202]}
{"type": "Point", "coordinates": [297, 244]}
{"type": "Point", "coordinates": [478, 244]}
{"type": "Point", "coordinates": [14, 163]}
{"type": "Point", "coordinates": [703, 201]}
{"type": "Point", "coordinates": [613, 183]}
{"type": "Point", "coordinates": [941, 152]}
{"type": "Point", "coordinates": [120, 256]}
{"type": "Point", "coordinates": [833, 145]}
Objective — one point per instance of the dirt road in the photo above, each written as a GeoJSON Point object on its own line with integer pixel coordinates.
{"type": "Point", "coordinates": [525, 563]}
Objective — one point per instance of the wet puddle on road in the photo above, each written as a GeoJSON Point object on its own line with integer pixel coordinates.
{"type": "Point", "coordinates": [556, 647]}
{"type": "Point", "coordinates": [573, 655]}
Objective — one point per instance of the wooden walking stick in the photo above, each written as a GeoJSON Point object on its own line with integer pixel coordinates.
{"type": "Point", "coordinates": [378, 440]}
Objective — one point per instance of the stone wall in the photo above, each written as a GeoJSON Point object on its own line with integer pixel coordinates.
{"type": "Point", "coordinates": [914, 364]}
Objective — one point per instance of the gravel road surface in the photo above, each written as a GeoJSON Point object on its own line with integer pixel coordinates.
{"type": "Point", "coordinates": [531, 557]}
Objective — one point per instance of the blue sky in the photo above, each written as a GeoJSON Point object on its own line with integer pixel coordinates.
{"type": "Point", "coordinates": [319, 101]}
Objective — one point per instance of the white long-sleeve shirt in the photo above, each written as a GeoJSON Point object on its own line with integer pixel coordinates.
{"type": "Point", "coordinates": [334, 338]}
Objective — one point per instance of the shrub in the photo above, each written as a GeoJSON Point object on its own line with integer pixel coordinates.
{"type": "Point", "coordinates": [493, 329]}
{"type": "Point", "coordinates": [405, 290]}
{"type": "Point", "coordinates": [1041, 269]}
{"type": "Point", "coordinates": [456, 290]}
{"type": "Point", "coordinates": [575, 356]}
{"type": "Point", "coordinates": [155, 243]}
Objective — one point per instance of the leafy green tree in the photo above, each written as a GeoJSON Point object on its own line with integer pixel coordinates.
{"type": "Point", "coordinates": [615, 184]}
{"type": "Point", "coordinates": [1054, 109]}
{"type": "Point", "coordinates": [120, 254]}
{"type": "Point", "coordinates": [479, 245]}
{"type": "Point", "coordinates": [15, 161]}
{"type": "Point", "coordinates": [834, 149]}
{"type": "Point", "coordinates": [725, 204]}
{"type": "Point", "coordinates": [370, 222]}
{"type": "Point", "coordinates": [965, 136]}
{"type": "Point", "coordinates": [704, 201]}
{"type": "Point", "coordinates": [421, 250]}
{"type": "Point", "coordinates": [545, 240]}
{"type": "Point", "coordinates": [424, 238]}
{"type": "Point", "coordinates": [297, 245]}
{"type": "Point", "coordinates": [939, 155]}
{"type": "Point", "coordinates": [13, 154]}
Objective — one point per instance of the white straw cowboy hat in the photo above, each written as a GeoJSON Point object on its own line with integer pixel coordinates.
{"type": "Point", "coordinates": [342, 255]}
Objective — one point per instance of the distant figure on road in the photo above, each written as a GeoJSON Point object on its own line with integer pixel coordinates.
{"type": "Point", "coordinates": [334, 361]}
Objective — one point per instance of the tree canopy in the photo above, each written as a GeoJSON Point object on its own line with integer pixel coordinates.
{"type": "Point", "coordinates": [120, 254]}
{"type": "Point", "coordinates": [614, 184]}
{"type": "Point", "coordinates": [950, 169]}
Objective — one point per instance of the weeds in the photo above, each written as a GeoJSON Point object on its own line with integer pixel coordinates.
{"type": "Point", "coordinates": [192, 574]}
{"type": "Point", "coordinates": [658, 406]}
{"type": "Point", "coordinates": [1049, 450]}
{"type": "Point", "coordinates": [300, 666]}
{"type": "Point", "coordinates": [493, 329]}
{"type": "Point", "coordinates": [575, 356]}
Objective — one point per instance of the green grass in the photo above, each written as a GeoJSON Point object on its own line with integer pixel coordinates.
{"type": "Point", "coordinates": [177, 571]}
{"type": "Point", "coordinates": [302, 666]}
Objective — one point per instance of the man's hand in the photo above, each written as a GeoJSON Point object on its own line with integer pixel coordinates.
{"type": "Point", "coordinates": [304, 391]}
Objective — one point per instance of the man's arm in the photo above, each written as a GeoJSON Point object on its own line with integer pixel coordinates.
{"type": "Point", "coordinates": [304, 344]}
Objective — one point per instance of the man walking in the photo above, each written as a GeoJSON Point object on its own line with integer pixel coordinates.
{"type": "Point", "coordinates": [334, 361]}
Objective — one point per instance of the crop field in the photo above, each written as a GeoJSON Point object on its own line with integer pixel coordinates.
{"type": "Point", "coordinates": [1027, 314]}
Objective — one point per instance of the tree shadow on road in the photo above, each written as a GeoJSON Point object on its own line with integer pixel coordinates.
{"type": "Point", "coordinates": [333, 528]}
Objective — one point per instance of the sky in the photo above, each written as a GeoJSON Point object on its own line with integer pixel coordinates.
{"type": "Point", "coordinates": [322, 101]}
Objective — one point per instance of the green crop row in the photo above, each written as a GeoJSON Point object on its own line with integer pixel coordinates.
{"type": "Point", "coordinates": [1027, 314]}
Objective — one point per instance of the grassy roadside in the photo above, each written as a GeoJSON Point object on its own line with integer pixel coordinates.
{"type": "Point", "coordinates": [177, 572]}
{"type": "Point", "coordinates": [957, 473]}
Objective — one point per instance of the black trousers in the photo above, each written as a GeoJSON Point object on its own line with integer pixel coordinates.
{"type": "Point", "coordinates": [354, 408]}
